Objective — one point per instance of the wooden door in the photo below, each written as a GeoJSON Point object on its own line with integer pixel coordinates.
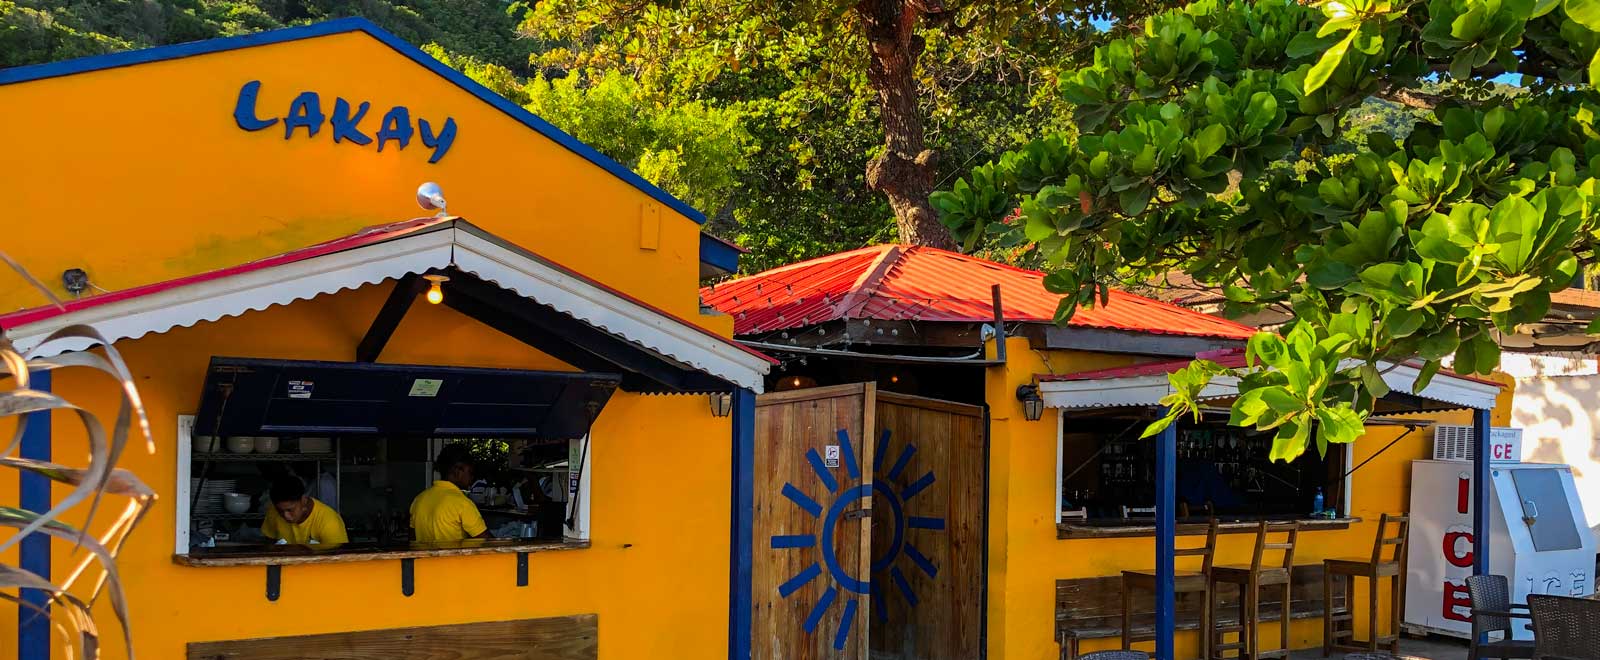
{"type": "Point", "coordinates": [813, 507]}
{"type": "Point", "coordinates": [927, 529]}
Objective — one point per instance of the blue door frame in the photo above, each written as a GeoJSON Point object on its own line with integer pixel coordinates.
{"type": "Point", "coordinates": [33, 629]}
{"type": "Point", "coordinates": [740, 584]}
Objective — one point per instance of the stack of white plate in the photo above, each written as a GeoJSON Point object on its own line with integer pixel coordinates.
{"type": "Point", "coordinates": [209, 500]}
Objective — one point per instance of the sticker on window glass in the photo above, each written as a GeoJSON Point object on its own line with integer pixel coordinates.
{"type": "Point", "coordinates": [830, 455]}
{"type": "Point", "coordinates": [426, 387]}
{"type": "Point", "coordinates": [300, 389]}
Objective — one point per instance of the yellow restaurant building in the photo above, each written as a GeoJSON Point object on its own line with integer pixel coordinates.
{"type": "Point", "coordinates": [240, 217]}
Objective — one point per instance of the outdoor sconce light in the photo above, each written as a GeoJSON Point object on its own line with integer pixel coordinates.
{"type": "Point", "coordinates": [1032, 403]}
{"type": "Point", "coordinates": [435, 293]}
{"type": "Point", "coordinates": [721, 404]}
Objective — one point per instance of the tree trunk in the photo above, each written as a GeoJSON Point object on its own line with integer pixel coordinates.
{"type": "Point", "coordinates": [904, 171]}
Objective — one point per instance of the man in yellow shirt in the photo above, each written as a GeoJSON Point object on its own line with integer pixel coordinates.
{"type": "Point", "coordinates": [443, 512]}
{"type": "Point", "coordinates": [299, 519]}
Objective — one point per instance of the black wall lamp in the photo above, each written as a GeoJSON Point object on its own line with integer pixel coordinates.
{"type": "Point", "coordinates": [721, 404]}
{"type": "Point", "coordinates": [1032, 403]}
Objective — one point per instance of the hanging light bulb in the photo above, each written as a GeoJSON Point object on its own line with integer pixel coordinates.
{"type": "Point", "coordinates": [435, 292]}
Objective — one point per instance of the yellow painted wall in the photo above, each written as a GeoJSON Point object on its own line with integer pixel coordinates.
{"type": "Point", "coordinates": [1026, 558]}
{"type": "Point", "coordinates": [661, 474]}
{"type": "Point", "coordinates": [140, 174]}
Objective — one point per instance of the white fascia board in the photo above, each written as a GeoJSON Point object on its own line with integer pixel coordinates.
{"type": "Point", "coordinates": [1130, 391]}
{"type": "Point", "coordinates": [232, 295]}
{"type": "Point", "coordinates": [1148, 390]}
{"type": "Point", "coordinates": [671, 338]}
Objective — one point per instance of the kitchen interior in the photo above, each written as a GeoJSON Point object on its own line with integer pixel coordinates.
{"type": "Point", "coordinates": [362, 437]}
{"type": "Point", "coordinates": [521, 488]}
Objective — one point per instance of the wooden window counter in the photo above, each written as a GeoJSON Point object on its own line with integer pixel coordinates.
{"type": "Point", "coordinates": [1117, 528]}
{"type": "Point", "coordinates": [287, 555]}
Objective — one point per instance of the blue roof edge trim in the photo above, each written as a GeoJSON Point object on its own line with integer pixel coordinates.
{"type": "Point", "coordinates": [718, 254]}
{"type": "Point", "coordinates": [338, 26]}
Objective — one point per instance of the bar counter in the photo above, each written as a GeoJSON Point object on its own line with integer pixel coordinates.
{"type": "Point", "coordinates": [285, 555]}
{"type": "Point", "coordinates": [1120, 528]}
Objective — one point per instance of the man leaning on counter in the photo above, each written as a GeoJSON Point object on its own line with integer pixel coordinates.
{"type": "Point", "coordinates": [296, 518]}
{"type": "Point", "coordinates": [443, 512]}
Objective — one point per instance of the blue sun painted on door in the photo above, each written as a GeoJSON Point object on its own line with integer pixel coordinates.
{"type": "Point", "coordinates": [829, 506]}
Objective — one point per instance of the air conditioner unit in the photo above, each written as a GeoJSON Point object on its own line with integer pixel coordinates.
{"type": "Point", "coordinates": [1454, 443]}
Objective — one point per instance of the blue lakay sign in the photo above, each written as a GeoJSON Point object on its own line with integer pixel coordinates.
{"type": "Point", "coordinates": [306, 111]}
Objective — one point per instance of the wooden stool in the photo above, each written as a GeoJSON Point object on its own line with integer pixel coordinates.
{"type": "Point", "coordinates": [1250, 580]}
{"type": "Point", "coordinates": [1373, 569]}
{"type": "Point", "coordinates": [1185, 582]}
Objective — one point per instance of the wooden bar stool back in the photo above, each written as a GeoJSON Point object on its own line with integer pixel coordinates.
{"type": "Point", "coordinates": [1185, 582]}
{"type": "Point", "coordinates": [1388, 560]}
{"type": "Point", "coordinates": [1264, 571]}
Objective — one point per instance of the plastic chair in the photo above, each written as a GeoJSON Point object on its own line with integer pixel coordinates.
{"type": "Point", "coordinates": [1565, 628]}
{"type": "Point", "coordinates": [1373, 569]}
{"type": "Point", "coordinates": [1492, 611]}
{"type": "Point", "coordinates": [1184, 582]}
{"type": "Point", "coordinates": [1250, 580]}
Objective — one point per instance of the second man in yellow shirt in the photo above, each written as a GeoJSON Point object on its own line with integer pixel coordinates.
{"type": "Point", "coordinates": [443, 512]}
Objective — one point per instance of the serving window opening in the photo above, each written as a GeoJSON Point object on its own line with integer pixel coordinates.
{"type": "Point", "coordinates": [358, 448]}
{"type": "Point", "coordinates": [1107, 475]}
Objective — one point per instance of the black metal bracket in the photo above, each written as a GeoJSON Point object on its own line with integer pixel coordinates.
{"type": "Point", "coordinates": [408, 577]}
{"type": "Point", "coordinates": [274, 582]}
{"type": "Point", "coordinates": [522, 569]}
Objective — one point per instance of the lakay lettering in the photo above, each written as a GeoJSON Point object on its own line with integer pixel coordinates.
{"type": "Point", "coordinates": [306, 111]}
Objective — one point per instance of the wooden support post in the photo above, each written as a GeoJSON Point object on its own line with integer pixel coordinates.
{"type": "Point", "coordinates": [741, 565]}
{"type": "Point", "coordinates": [1166, 539]}
{"type": "Point", "coordinates": [1481, 487]}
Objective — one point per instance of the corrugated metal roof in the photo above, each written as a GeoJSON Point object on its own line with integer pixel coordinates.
{"type": "Point", "coordinates": [907, 282]}
{"type": "Point", "coordinates": [1230, 359]}
{"type": "Point", "coordinates": [364, 238]}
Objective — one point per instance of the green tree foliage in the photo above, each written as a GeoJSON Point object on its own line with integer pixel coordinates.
{"type": "Point", "coordinates": [1424, 247]}
{"type": "Point", "coordinates": [34, 31]}
{"type": "Point", "coordinates": [909, 88]}
{"type": "Point", "coordinates": [693, 150]}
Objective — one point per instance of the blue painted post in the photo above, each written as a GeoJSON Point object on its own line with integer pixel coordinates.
{"type": "Point", "coordinates": [1481, 487]}
{"type": "Point", "coordinates": [33, 628]}
{"type": "Point", "coordinates": [740, 587]}
{"type": "Point", "coordinates": [1166, 539]}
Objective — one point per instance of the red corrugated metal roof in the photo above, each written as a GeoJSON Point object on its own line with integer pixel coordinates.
{"type": "Point", "coordinates": [905, 282]}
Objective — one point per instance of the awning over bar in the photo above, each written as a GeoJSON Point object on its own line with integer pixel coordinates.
{"type": "Point", "coordinates": [1146, 384]}
{"type": "Point", "coordinates": [575, 316]}
{"type": "Point", "coordinates": [245, 396]}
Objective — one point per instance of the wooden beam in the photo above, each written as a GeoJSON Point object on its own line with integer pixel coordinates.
{"type": "Point", "coordinates": [394, 309]}
{"type": "Point", "coordinates": [564, 337]}
{"type": "Point", "coordinates": [553, 638]}
{"type": "Point", "coordinates": [1053, 337]}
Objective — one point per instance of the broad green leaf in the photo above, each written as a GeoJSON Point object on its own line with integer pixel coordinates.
{"type": "Point", "coordinates": [1323, 69]}
{"type": "Point", "coordinates": [1514, 224]}
{"type": "Point", "coordinates": [1373, 381]}
{"type": "Point", "coordinates": [1209, 140]}
{"type": "Point", "coordinates": [1330, 275]}
{"type": "Point", "coordinates": [1425, 376]}
{"type": "Point", "coordinates": [1439, 344]}
{"type": "Point", "coordinates": [1160, 424]}
{"type": "Point", "coordinates": [1267, 348]}
{"type": "Point", "coordinates": [1584, 12]}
